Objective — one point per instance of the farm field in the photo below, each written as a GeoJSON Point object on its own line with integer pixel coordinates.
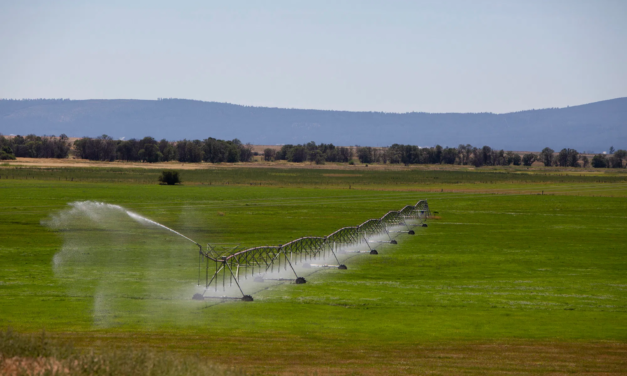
{"type": "Point", "coordinates": [521, 271]}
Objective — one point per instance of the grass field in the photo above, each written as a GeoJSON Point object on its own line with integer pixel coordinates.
{"type": "Point", "coordinates": [507, 280]}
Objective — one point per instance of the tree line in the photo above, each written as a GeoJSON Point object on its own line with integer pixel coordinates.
{"type": "Point", "coordinates": [571, 158]}
{"type": "Point", "coordinates": [486, 156]}
{"type": "Point", "coordinates": [104, 148]}
{"type": "Point", "coordinates": [32, 146]}
{"type": "Point", "coordinates": [311, 152]}
{"type": "Point", "coordinates": [461, 155]}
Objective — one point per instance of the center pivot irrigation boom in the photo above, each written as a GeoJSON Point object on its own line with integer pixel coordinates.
{"type": "Point", "coordinates": [225, 266]}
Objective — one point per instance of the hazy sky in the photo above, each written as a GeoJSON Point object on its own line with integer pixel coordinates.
{"type": "Point", "coordinates": [397, 56]}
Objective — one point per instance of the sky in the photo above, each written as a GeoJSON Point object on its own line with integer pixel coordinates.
{"type": "Point", "coordinates": [391, 56]}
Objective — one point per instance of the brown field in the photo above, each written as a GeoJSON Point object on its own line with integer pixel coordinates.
{"type": "Point", "coordinates": [258, 162]}
{"type": "Point", "coordinates": [469, 358]}
{"type": "Point", "coordinates": [309, 356]}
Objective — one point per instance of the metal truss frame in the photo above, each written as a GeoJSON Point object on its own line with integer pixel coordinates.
{"type": "Point", "coordinates": [225, 265]}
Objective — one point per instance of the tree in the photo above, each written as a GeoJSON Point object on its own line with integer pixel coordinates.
{"type": "Point", "coordinates": [282, 154]}
{"type": "Point", "coordinates": [6, 153]}
{"type": "Point", "coordinates": [317, 157]}
{"type": "Point", "coordinates": [150, 153]}
{"type": "Point", "coordinates": [191, 151]}
{"type": "Point", "coordinates": [269, 154]}
{"type": "Point", "coordinates": [568, 158]}
{"type": "Point", "coordinates": [167, 150]}
{"type": "Point", "coordinates": [562, 158]}
{"type": "Point", "coordinates": [546, 156]}
{"type": "Point", "coordinates": [169, 177]}
{"type": "Point", "coordinates": [486, 156]}
{"type": "Point", "coordinates": [107, 150]}
{"type": "Point", "coordinates": [394, 154]}
{"type": "Point", "coordinates": [437, 155]}
{"type": "Point", "coordinates": [611, 150]}
{"type": "Point", "coordinates": [585, 161]}
{"type": "Point", "coordinates": [448, 156]}
{"type": "Point", "coordinates": [476, 158]}
{"type": "Point", "coordinates": [102, 148]}
{"type": "Point", "coordinates": [509, 158]}
{"type": "Point", "coordinates": [215, 151]}
{"type": "Point", "coordinates": [528, 159]}
{"type": "Point", "coordinates": [513, 158]}
{"type": "Point", "coordinates": [297, 154]}
{"type": "Point", "coordinates": [128, 150]}
{"type": "Point", "coordinates": [364, 154]}
{"type": "Point", "coordinates": [616, 160]}
{"type": "Point", "coordinates": [245, 152]}
{"type": "Point", "coordinates": [573, 158]}
{"type": "Point", "coordinates": [344, 154]}
{"type": "Point", "coordinates": [599, 161]}
{"type": "Point", "coordinates": [464, 153]}
{"type": "Point", "coordinates": [169, 153]}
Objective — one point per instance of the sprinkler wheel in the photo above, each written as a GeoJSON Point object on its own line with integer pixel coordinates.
{"type": "Point", "coordinates": [247, 298]}
{"type": "Point", "coordinates": [300, 280]}
{"type": "Point", "coordinates": [374, 252]}
{"type": "Point", "coordinates": [198, 296]}
{"type": "Point", "coordinates": [424, 225]}
{"type": "Point", "coordinates": [343, 267]}
{"type": "Point", "coordinates": [393, 242]}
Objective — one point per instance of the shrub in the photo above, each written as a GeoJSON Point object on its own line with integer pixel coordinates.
{"type": "Point", "coordinates": [169, 177]}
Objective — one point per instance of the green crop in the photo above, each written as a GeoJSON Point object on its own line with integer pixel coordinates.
{"type": "Point", "coordinates": [499, 264]}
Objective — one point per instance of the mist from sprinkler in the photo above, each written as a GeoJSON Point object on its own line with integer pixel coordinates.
{"type": "Point", "coordinates": [107, 255]}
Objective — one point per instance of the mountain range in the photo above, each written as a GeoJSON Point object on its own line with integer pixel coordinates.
{"type": "Point", "coordinates": [589, 127]}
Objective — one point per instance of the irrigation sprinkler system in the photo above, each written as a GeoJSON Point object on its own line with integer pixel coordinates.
{"type": "Point", "coordinates": [226, 266]}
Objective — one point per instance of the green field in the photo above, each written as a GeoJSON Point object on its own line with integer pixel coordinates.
{"type": "Point", "coordinates": [522, 271]}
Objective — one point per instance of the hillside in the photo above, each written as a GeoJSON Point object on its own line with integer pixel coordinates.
{"type": "Point", "coordinates": [589, 127]}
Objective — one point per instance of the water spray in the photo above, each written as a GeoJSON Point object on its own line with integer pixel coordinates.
{"type": "Point", "coordinates": [227, 266]}
{"type": "Point", "coordinates": [309, 266]}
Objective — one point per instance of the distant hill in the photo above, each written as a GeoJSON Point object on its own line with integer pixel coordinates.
{"type": "Point", "coordinates": [594, 126]}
